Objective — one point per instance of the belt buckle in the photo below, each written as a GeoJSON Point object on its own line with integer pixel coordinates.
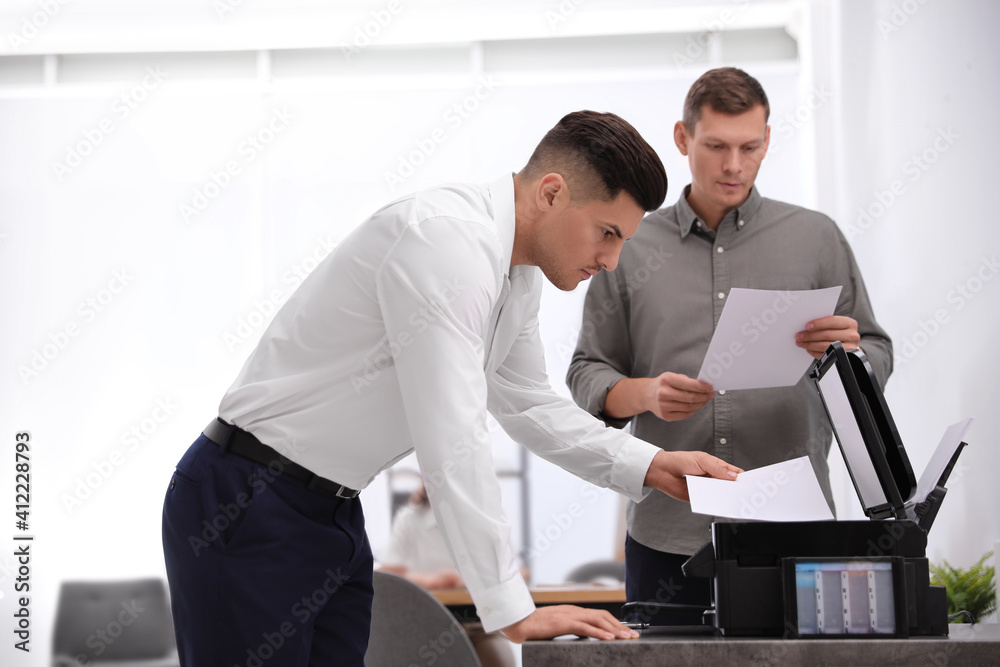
{"type": "Point", "coordinates": [314, 481]}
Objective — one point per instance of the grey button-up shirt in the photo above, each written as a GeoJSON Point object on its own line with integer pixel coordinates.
{"type": "Point", "coordinates": [657, 312]}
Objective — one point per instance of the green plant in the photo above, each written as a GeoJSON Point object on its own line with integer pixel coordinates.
{"type": "Point", "coordinates": [973, 590]}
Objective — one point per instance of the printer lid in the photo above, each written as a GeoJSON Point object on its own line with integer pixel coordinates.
{"type": "Point", "coordinates": [865, 431]}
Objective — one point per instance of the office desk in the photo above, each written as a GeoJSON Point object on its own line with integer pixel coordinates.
{"type": "Point", "coordinates": [966, 645]}
{"type": "Point", "coordinates": [459, 602]}
{"type": "Point", "coordinates": [586, 595]}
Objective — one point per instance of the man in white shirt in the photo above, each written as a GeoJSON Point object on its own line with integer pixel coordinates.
{"type": "Point", "coordinates": [421, 321]}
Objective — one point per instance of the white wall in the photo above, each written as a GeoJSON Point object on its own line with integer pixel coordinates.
{"type": "Point", "coordinates": [917, 94]}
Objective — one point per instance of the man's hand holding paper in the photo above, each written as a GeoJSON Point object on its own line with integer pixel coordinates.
{"type": "Point", "coordinates": [820, 333]}
{"type": "Point", "coordinates": [674, 396]}
{"type": "Point", "coordinates": [762, 339]}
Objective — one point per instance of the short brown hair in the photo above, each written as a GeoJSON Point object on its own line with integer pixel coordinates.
{"type": "Point", "coordinates": [599, 155]}
{"type": "Point", "coordinates": [727, 90]}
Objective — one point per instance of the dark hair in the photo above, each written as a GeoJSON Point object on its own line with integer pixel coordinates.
{"type": "Point", "coordinates": [727, 90]}
{"type": "Point", "coordinates": [599, 155]}
{"type": "Point", "coordinates": [419, 496]}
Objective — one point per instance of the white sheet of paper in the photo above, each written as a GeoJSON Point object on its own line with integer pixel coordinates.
{"type": "Point", "coordinates": [754, 345]}
{"type": "Point", "coordinates": [787, 491]}
{"type": "Point", "coordinates": [950, 441]}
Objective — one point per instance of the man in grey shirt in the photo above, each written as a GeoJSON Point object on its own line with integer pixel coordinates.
{"type": "Point", "coordinates": [646, 326]}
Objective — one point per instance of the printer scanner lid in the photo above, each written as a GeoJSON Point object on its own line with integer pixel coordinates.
{"type": "Point", "coordinates": [865, 432]}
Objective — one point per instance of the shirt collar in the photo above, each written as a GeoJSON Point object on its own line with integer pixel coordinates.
{"type": "Point", "coordinates": [686, 216]}
{"type": "Point", "coordinates": [502, 200]}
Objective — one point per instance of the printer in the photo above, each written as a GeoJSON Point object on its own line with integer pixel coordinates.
{"type": "Point", "coordinates": [836, 578]}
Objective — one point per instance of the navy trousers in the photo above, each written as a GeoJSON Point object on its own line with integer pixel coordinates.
{"type": "Point", "coordinates": [656, 576]}
{"type": "Point", "coordinates": [263, 572]}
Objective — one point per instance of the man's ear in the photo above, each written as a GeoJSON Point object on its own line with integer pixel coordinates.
{"type": "Point", "coordinates": [552, 191]}
{"type": "Point", "coordinates": [681, 137]}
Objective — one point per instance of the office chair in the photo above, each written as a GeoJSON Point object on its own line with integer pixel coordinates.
{"type": "Point", "coordinates": [597, 569]}
{"type": "Point", "coordinates": [114, 623]}
{"type": "Point", "coordinates": [409, 626]}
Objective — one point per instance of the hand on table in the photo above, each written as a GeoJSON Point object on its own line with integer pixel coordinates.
{"type": "Point", "coordinates": [564, 619]}
{"type": "Point", "coordinates": [433, 580]}
{"type": "Point", "coordinates": [428, 580]}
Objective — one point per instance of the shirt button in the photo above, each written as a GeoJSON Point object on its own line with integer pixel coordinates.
{"type": "Point", "coordinates": [698, 224]}
{"type": "Point", "coordinates": [722, 441]}
{"type": "Point", "coordinates": [741, 223]}
{"type": "Point", "coordinates": [722, 392]}
{"type": "Point", "coordinates": [722, 295]}
{"type": "Point", "coordinates": [719, 249]}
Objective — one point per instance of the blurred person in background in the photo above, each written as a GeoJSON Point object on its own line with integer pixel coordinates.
{"type": "Point", "coordinates": [417, 551]}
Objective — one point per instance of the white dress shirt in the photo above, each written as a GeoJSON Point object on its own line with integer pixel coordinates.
{"type": "Point", "coordinates": [401, 340]}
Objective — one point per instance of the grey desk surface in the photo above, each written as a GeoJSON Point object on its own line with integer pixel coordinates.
{"type": "Point", "coordinates": [966, 645]}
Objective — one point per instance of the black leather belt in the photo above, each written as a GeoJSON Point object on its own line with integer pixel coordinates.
{"type": "Point", "coordinates": [243, 443]}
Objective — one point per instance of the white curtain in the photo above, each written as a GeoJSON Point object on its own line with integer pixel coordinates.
{"type": "Point", "coordinates": [907, 171]}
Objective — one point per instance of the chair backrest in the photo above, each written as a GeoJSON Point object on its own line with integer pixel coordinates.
{"type": "Point", "coordinates": [113, 620]}
{"type": "Point", "coordinates": [409, 626]}
{"type": "Point", "coordinates": [596, 570]}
